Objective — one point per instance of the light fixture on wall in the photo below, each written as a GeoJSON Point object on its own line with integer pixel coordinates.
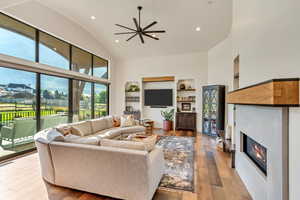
{"type": "Point", "coordinates": [139, 31]}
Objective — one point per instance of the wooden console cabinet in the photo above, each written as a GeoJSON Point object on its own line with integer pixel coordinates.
{"type": "Point", "coordinates": [186, 121]}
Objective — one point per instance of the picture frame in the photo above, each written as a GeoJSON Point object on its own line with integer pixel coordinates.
{"type": "Point", "coordinates": [186, 107]}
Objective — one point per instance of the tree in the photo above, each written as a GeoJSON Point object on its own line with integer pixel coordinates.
{"type": "Point", "coordinates": [47, 94]}
{"type": "Point", "coordinates": [102, 97]}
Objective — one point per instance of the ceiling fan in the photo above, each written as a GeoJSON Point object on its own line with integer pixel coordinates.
{"type": "Point", "coordinates": [139, 30]}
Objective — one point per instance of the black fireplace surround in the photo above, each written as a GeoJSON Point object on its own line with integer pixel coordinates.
{"type": "Point", "coordinates": [256, 152]}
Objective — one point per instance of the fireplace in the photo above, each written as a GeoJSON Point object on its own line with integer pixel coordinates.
{"type": "Point", "coordinates": [256, 152]}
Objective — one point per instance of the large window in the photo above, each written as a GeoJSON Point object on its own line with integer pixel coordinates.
{"type": "Point", "coordinates": [33, 101]}
{"type": "Point", "coordinates": [82, 100]}
{"type": "Point", "coordinates": [81, 61]}
{"type": "Point", "coordinates": [17, 110]}
{"type": "Point", "coordinates": [53, 51]}
{"type": "Point", "coordinates": [101, 100]}
{"type": "Point", "coordinates": [54, 101]}
{"type": "Point", "coordinates": [100, 67]}
{"type": "Point", "coordinates": [16, 39]}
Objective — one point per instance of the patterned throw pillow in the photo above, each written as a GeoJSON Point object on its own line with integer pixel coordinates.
{"type": "Point", "coordinates": [127, 120]}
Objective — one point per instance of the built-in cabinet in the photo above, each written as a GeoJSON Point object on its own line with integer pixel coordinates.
{"type": "Point", "coordinates": [213, 109]}
{"type": "Point", "coordinates": [186, 121]}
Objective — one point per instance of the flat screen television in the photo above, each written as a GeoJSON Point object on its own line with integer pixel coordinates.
{"type": "Point", "coordinates": [159, 97]}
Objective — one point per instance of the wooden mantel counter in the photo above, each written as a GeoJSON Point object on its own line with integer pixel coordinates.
{"type": "Point", "coordinates": [275, 92]}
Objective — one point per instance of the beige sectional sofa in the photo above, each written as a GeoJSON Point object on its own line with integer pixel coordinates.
{"type": "Point", "coordinates": [85, 165]}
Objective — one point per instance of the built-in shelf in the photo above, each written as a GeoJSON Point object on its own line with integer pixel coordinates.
{"type": "Point", "coordinates": [187, 101]}
{"type": "Point", "coordinates": [187, 90]}
{"type": "Point", "coordinates": [132, 91]}
{"type": "Point", "coordinates": [275, 92]}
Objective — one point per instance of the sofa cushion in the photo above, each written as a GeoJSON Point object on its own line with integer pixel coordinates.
{"type": "Point", "coordinates": [123, 144]}
{"type": "Point", "coordinates": [81, 140]}
{"type": "Point", "coordinates": [109, 133]}
{"type": "Point", "coordinates": [84, 128]}
{"type": "Point", "coordinates": [147, 144]}
{"type": "Point", "coordinates": [132, 129]}
{"type": "Point", "coordinates": [99, 124]}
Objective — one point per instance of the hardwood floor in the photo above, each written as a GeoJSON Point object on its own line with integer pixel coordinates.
{"type": "Point", "coordinates": [20, 179]}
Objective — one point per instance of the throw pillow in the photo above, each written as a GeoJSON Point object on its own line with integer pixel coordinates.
{"type": "Point", "coordinates": [117, 121]}
{"type": "Point", "coordinates": [127, 120]}
{"type": "Point", "coordinates": [53, 135]}
{"type": "Point", "coordinates": [76, 131]}
{"type": "Point", "coordinates": [85, 127]}
{"type": "Point", "coordinates": [64, 129]}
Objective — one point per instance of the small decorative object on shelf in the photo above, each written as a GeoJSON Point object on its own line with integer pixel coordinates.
{"type": "Point", "coordinates": [186, 106]}
{"type": "Point", "coordinates": [129, 108]}
{"type": "Point", "coordinates": [132, 99]}
{"type": "Point", "coordinates": [133, 88]}
{"type": "Point", "coordinates": [182, 86]}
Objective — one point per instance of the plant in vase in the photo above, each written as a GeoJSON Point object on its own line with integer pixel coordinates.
{"type": "Point", "coordinates": [168, 116]}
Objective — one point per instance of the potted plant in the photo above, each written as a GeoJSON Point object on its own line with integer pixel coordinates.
{"type": "Point", "coordinates": [168, 116]}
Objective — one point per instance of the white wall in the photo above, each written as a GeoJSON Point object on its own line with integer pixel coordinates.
{"type": "Point", "coordinates": [43, 18]}
{"type": "Point", "coordinates": [184, 66]}
{"type": "Point", "coordinates": [266, 36]}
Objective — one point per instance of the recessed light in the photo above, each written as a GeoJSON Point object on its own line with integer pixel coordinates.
{"type": "Point", "coordinates": [153, 35]}
{"type": "Point", "coordinates": [117, 41]}
{"type": "Point", "coordinates": [93, 17]}
{"type": "Point", "coordinates": [198, 29]}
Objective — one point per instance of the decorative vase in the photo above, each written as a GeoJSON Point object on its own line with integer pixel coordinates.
{"type": "Point", "coordinates": [168, 125]}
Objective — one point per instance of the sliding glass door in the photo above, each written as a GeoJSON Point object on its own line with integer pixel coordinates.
{"type": "Point", "coordinates": [101, 100]}
{"type": "Point", "coordinates": [17, 110]}
{"type": "Point", "coordinates": [82, 100]}
{"type": "Point", "coordinates": [54, 101]}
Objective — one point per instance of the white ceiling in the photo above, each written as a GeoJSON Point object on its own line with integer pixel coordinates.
{"type": "Point", "coordinates": [178, 17]}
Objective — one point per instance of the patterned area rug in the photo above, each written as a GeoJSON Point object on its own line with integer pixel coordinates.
{"type": "Point", "coordinates": [179, 157]}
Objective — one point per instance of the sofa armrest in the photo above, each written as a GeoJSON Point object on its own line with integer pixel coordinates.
{"type": "Point", "coordinates": [120, 173]}
{"type": "Point", "coordinates": [156, 163]}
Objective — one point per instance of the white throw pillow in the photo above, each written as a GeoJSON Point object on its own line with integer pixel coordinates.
{"type": "Point", "coordinates": [50, 135]}
{"type": "Point", "coordinates": [127, 120]}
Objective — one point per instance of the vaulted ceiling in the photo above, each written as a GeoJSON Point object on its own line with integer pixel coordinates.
{"type": "Point", "coordinates": [178, 17]}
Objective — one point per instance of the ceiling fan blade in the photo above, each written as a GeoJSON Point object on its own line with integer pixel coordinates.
{"type": "Point", "coordinates": [150, 36]}
{"type": "Point", "coordinates": [139, 30]}
{"type": "Point", "coordinates": [125, 33]}
{"type": "Point", "coordinates": [136, 24]}
{"type": "Point", "coordinates": [125, 27]}
{"type": "Point", "coordinates": [131, 37]}
{"type": "Point", "coordinates": [161, 31]}
{"type": "Point", "coordinates": [152, 24]}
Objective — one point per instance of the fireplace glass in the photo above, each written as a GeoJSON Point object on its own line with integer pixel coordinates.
{"type": "Point", "coordinates": [256, 152]}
